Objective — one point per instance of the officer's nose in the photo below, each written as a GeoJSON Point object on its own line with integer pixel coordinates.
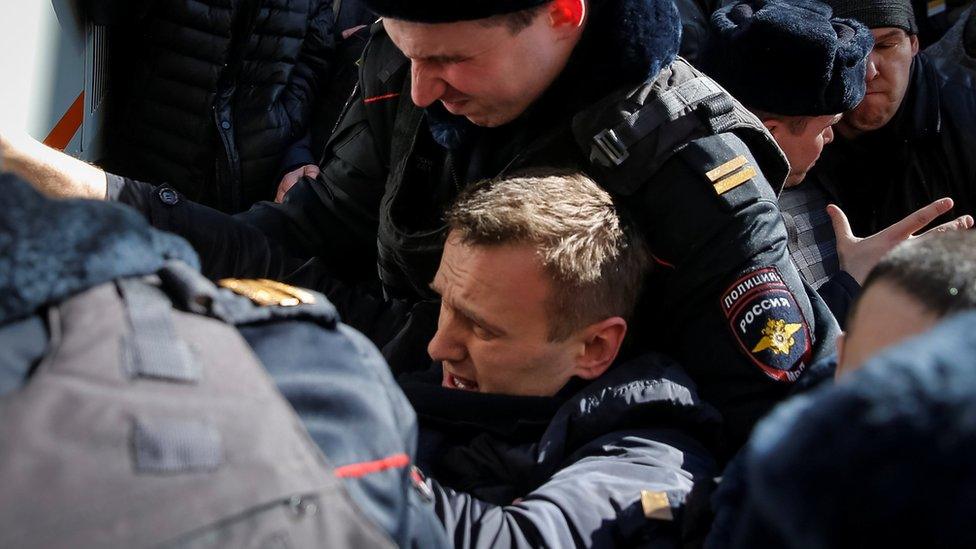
{"type": "Point", "coordinates": [426, 85]}
{"type": "Point", "coordinates": [447, 344]}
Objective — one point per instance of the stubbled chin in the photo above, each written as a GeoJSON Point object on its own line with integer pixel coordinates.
{"type": "Point", "coordinates": [873, 113]}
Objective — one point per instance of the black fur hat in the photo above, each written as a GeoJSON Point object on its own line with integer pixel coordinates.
{"type": "Point", "coordinates": [788, 58]}
{"type": "Point", "coordinates": [878, 13]}
{"type": "Point", "coordinates": [447, 11]}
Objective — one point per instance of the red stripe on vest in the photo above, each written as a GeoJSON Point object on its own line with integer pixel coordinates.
{"type": "Point", "coordinates": [356, 470]}
{"type": "Point", "coordinates": [376, 98]}
{"type": "Point", "coordinates": [660, 261]}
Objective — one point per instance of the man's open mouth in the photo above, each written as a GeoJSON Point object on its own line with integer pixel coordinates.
{"type": "Point", "coordinates": [452, 381]}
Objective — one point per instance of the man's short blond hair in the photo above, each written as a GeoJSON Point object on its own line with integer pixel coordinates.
{"type": "Point", "coordinates": [596, 261]}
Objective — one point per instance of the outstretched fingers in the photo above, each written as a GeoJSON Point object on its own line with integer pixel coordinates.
{"type": "Point", "coordinates": [961, 223]}
{"type": "Point", "coordinates": [919, 219]}
{"type": "Point", "coordinates": [842, 227]}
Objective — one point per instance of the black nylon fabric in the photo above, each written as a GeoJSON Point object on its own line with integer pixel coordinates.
{"type": "Point", "coordinates": [215, 91]}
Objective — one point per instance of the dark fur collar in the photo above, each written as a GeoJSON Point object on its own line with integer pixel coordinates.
{"type": "Point", "coordinates": [51, 249]}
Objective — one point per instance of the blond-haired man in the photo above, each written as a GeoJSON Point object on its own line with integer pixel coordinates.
{"type": "Point", "coordinates": [529, 435]}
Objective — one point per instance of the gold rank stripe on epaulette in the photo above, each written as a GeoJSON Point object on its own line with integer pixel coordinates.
{"type": "Point", "coordinates": [656, 505]}
{"type": "Point", "coordinates": [731, 174]}
{"type": "Point", "coordinates": [266, 292]}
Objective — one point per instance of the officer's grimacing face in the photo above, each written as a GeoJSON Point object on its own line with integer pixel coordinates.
{"type": "Point", "coordinates": [492, 332]}
{"type": "Point", "coordinates": [483, 72]}
{"type": "Point", "coordinates": [889, 69]}
{"type": "Point", "coordinates": [802, 148]}
{"type": "Point", "coordinates": [884, 315]}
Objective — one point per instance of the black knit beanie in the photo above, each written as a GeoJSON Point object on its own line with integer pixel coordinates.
{"type": "Point", "coordinates": [877, 13]}
{"type": "Point", "coordinates": [448, 11]}
{"type": "Point", "coordinates": [790, 58]}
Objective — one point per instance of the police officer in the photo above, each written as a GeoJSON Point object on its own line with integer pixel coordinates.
{"type": "Point", "coordinates": [819, 74]}
{"type": "Point", "coordinates": [136, 409]}
{"type": "Point", "coordinates": [450, 93]}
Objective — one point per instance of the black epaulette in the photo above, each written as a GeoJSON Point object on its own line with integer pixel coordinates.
{"type": "Point", "coordinates": [728, 166]}
{"type": "Point", "coordinates": [628, 136]}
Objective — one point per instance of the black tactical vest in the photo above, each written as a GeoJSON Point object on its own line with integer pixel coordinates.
{"type": "Point", "coordinates": [621, 142]}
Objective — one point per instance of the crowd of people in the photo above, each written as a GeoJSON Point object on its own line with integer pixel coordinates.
{"type": "Point", "coordinates": [540, 281]}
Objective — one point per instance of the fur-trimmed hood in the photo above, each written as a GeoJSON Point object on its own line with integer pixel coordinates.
{"type": "Point", "coordinates": [51, 249]}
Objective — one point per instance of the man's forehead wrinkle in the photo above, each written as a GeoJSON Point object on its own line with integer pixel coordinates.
{"type": "Point", "coordinates": [450, 275]}
{"type": "Point", "coordinates": [421, 47]}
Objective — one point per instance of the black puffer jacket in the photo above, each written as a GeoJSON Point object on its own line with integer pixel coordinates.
{"type": "Point", "coordinates": [215, 90]}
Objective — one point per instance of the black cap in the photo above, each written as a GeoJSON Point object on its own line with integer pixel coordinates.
{"type": "Point", "coordinates": [448, 11]}
{"type": "Point", "coordinates": [792, 59]}
{"type": "Point", "coordinates": [878, 13]}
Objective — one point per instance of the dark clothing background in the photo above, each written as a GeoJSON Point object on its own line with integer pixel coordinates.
{"type": "Point", "coordinates": [695, 26]}
{"type": "Point", "coordinates": [210, 94]}
{"type": "Point", "coordinates": [924, 153]}
{"type": "Point", "coordinates": [958, 44]}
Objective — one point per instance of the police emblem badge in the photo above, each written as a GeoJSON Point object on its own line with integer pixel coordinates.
{"type": "Point", "coordinates": [768, 324]}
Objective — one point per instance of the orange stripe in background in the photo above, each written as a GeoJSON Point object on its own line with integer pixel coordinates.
{"type": "Point", "coordinates": [67, 127]}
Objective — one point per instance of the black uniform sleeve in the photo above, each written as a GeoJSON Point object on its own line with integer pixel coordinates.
{"type": "Point", "coordinates": [332, 218]}
{"type": "Point", "coordinates": [839, 293]}
{"type": "Point", "coordinates": [726, 300]}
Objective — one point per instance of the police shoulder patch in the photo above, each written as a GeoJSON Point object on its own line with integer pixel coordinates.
{"type": "Point", "coordinates": [767, 323]}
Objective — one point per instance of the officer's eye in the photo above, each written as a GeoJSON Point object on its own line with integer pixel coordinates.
{"type": "Point", "coordinates": [481, 332]}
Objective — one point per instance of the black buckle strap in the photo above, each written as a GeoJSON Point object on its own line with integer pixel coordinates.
{"type": "Point", "coordinates": [608, 150]}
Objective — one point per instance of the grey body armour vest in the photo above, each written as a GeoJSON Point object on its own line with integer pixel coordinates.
{"type": "Point", "coordinates": [146, 426]}
{"type": "Point", "coordinates": [621, 141]}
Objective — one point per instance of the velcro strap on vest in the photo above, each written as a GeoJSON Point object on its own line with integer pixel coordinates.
{"type": "Point", "coordinates": [176, 446]}
{"type": "Point", "coordinates": [611, 146]}
{"type": "Point", "coordinates": [152, 348]}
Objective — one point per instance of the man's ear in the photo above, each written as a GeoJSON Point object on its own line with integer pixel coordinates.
{"type": "Point", "coordinates": [601, 343]}
{"type": "Point", "coordinates": [774, 125]}
{"type": "Point", "coordinates": [569, 13]}
{"type": "Point", "coordinates": [914, 41]}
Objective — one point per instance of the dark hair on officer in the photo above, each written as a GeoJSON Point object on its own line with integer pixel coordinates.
{"type": "Point", "coordinates": [938, 271]}
{"type": "Point", "coordinates": [517, 13]}
{"type": "Point", "coordinates": [516, 21]}
{"type": "Point", "coordinates": [595, 260]}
